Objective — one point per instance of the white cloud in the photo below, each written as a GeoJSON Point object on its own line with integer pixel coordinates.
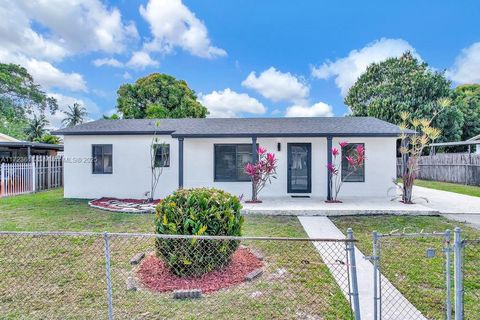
{"type": "Point", "coordinates": [45, 74]}
{"type": "Point", "coordinates": [112, 62]}
{"type": "Point", "coordinates": [347, 70]}
{"type": "Point", "coordinates": [63, 103]}
{"type": "Point", "coordinates": [277, 86]}
{"type": "Point", "coordinates": [72, 26]}
{"type": "Point", "coordinates": [50, 77]}
{"type": "Point", "coordinates": [126, 75]}
{"type": "Point", "coordinates": [467, 65]}
{"type": "Point", "coordinates": [319, 109]}
{"type": "Point", "coordinates": [17, 35]}
{"type": "Point", "coordinates": [228, 104]}
{"type": "Point", "coordinates": [172, 25]}
{"type": "Point", "coordinates": [36, 34]}
{"type": "Point", "coordinates": [141, 60]}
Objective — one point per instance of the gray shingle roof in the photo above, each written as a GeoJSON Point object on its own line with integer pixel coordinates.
{"type": "Point", "coordinates": [240, 127]}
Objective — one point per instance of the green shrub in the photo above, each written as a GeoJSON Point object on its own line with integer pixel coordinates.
{"type": "Point", "coordinates": [199, 212]}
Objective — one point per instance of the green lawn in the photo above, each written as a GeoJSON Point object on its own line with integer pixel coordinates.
{"type": "Point", "coordinates": [63, 277]}
{"type": "Point", "coordinates": [452, 187]}
{"type": "Point", "coordinates": [405, 264]}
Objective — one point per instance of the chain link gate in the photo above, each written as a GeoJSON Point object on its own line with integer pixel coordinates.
{"type": "Point", "coordinates": [412, 275]}
{"type": "Point", "coordinates": [65, 275]}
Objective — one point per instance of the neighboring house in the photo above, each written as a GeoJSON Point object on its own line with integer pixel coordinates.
{"type": "Point", "coordinates": [5, 138]}
{"type": "Point", "coordinates": [477, 146]}
{"type": "Point", "coordinates": [213, 152]}
{"type": "Point", "coordinates": [13, 150]}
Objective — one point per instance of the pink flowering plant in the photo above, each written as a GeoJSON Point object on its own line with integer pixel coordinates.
{"type": "Point", "coordinates": [355, 162]}
{"type": "Point", "coordinates": [261, 172]}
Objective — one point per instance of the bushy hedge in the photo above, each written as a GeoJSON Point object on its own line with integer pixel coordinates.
{"type": "Point", "coordinates": [199, 212]}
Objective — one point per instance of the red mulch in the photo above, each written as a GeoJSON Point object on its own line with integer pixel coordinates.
{"type": "Point", "coordinates": [156, 276]}
{"type": "Point", "coordinates": [103, 202]}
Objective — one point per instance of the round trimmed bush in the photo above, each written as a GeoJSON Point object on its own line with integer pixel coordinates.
{"type": "Point", "coordinates": [198, 212]}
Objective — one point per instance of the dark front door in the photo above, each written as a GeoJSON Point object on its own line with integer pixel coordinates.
{"type": "Point", "coordinates": [299, 168]}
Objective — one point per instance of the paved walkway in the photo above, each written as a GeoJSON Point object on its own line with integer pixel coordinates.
{"type": "Point", "coordinates": [322, 227]}
{"type": "Point", "coordinates": [447, 202]}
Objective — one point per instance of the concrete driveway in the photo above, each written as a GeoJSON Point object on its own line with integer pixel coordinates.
{"type": "Point", "coordinates": [447, 202]}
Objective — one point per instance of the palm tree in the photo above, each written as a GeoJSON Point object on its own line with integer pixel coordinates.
{"type": "Point", "coordinates": [75, 115]}
{"type": "Point", "coordinates": [36, 127]}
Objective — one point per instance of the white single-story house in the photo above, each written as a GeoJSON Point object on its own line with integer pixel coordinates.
{"type": "Point", "coordinates": [213, 152]}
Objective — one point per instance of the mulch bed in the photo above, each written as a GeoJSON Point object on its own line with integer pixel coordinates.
{"type": "Point", "coordinates": [155, 276]}
{"type": "Point", "coordinates": [124, 205]}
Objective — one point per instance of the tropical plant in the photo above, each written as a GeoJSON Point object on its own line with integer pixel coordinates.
{"type": "Point", "coordinates": [18, 86]}
{"type": "Point", "coordinates": [20, 97]}
{"type": "Point", "coordinates": [159, 96]}
{"type": "Point", "coordinates": [48, 138]}
{"type": "Point", "coordinates": [158, 157]}
{"type": "Point", "coordinates": [36, 127]}
{"type": "Point", "coordinates": [355, 162]}
{"type": "Point", "coordinates": [197, 212]}
{"type": "Point", "coordinates": [405, 84]}
{"type": "Point", "coordinates": [75, 114]}
{"type": "Point", "coordinates": [416, 135]}
{"type": "Point", "coordinates": [112, 117]}
{"type": "Point", "coordinates": [467, 99]}
{"type": "Point", "coordinates": [261, 172]}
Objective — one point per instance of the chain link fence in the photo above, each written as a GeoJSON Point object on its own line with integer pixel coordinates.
{"type": "Point", "coordinates": [413, 275]}
{"type": "Point", "coordinates": [52, 275]}
{"type": "Point", "coordinates": [471, 279]}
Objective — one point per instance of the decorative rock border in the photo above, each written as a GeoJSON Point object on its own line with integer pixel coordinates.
{"type": "Point", "coordinates": [134, 206]}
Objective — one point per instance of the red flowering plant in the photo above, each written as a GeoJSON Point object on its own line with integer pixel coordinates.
{"type": "Point", "coordinates": [355, 161]}
{"type": "Point", "coordinates": [261, 172]}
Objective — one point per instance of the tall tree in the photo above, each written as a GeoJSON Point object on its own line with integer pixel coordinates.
{"type": "Point", "coordinates": [405, 84]}
{"type": "Point", "coordinates": [467, 99]}
{"type": "Point", "coordinates": [36, 128]}
{"type": "Point", "coordinates": [20, 96]}
{"type": "Point", "coordinates": [159, 96]}
{"type": "Point", "coordinates": [75, 114]}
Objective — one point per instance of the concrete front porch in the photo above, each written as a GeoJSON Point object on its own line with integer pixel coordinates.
{"type": "Point", "coordinates": [317, 206]}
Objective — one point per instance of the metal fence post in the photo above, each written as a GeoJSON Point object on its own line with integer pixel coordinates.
{"type": "Point", "coordinates": [448, 279]}
{"type": "Point", "coordinates": [353, 274]}
{"type": "Point", "coordinates": [375, 276]}
{"type": "Point", "coordinates": [2, 179]}
{"type": "Point", "coordinates": [108, 275]}
{"type": "Point", "coordinates": [458, 273]}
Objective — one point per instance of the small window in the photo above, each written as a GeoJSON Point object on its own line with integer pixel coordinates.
{"type": "Point", "coordinates": [230, 161]}
{"type": "Point", "coordinates": [349, 174]}
{"type": "Point", "coordinates": [102, 158]}
{"type": "Point", "coordinates": [162, 155]}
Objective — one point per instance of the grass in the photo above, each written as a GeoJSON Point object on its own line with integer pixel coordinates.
{"type": "Point", "coordinates": [404, 261]}
{"type": "Point", "coordinates": [452, 187]}
{"type": "Point", "coordinates": [64, 277]}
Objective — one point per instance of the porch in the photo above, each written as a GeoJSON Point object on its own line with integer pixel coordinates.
{"type": "Point", "coordinates": [316, 206]}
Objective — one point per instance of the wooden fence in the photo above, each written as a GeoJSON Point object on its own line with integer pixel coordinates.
{"type": "Point", "coordinates": [41, 173]}
{"type": "Point", "coordinates": [463, 168]}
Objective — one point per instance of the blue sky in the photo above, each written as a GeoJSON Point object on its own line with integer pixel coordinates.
{"type": "Point", "coordinates": [243, 58]}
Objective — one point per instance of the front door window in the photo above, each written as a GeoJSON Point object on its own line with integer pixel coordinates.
{"type": "Point", "coordinates": [299, 168]}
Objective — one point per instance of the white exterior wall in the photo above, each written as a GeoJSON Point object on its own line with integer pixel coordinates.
{"type": "Point", "coordinates": [199, 166]}
{"type": "Point", "coordinates": [131, 163]}
{"type": "Point", "coordinates": [131, 167]}
{"type": "Point", "coordinates": [380, 167]}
